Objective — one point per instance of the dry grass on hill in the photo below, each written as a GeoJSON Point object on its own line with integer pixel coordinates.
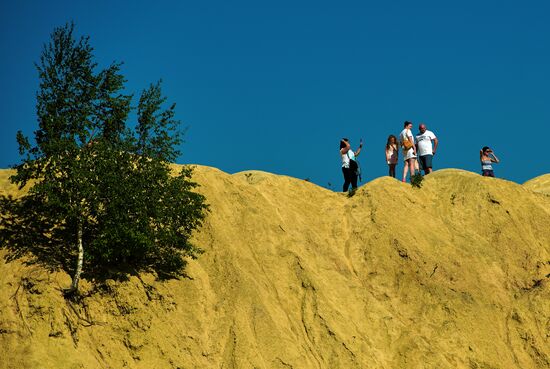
{"type": "Point", "coordinates": [453, 275]}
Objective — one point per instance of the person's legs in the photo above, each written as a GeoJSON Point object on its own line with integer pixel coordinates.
{"type": "Point", "coordinates": [405, 169]}
{"type": "Point", "coordinates": [347, 181]}
{"type": "Point", "coordinates": [392, 170]}
{"type": "Point", "coordinates": [426, 163]}
{"type": "Point", "coordinates": [412, 167]}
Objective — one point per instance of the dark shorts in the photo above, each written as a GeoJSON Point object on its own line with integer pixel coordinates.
{"type": "Point", "coordinates": [487, 173]}
{"type": "Point", "coordinates": [425, 161]}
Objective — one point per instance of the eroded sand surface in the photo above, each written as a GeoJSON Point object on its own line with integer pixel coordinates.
{"type": "Point", "coordinates": [453, 275]}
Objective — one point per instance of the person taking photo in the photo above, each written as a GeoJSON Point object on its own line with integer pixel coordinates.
{"type": "Point", "coordinates": [349, 165]}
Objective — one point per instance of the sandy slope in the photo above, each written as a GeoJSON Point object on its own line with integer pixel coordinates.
{"type": "Point", "coordinates": [539, 184]}
{"type": "Point", "coordinates": [454, 275]}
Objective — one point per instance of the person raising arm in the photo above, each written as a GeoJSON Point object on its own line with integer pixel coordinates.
{"type": "Point", "coordinates": [348, 159]}
{"type": "Point", "coordinates": [487, 158]}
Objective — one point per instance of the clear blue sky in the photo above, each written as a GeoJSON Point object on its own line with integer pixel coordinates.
{"type": "Point", "coordinates": [274, 85]}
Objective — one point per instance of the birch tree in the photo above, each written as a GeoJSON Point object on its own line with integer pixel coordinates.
{"type": "Point", "coordinates": [101, 195]}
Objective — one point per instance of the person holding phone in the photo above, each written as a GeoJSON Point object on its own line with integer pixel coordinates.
{"type": "Point", "coordinates": [349, 165]}
{"type": "Point", "coordinates": [487, 158]}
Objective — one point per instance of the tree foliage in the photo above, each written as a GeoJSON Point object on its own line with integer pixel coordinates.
{"type": "Point", "coordinates": [101, 194]}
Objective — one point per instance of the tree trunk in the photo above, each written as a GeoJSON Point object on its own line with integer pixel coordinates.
{"type": "Point", "coordinates": [76, 278]}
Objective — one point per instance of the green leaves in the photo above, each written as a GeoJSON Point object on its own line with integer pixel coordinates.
{"type": "Point", "coordinates": [88, 169]}
{"type": "Point", "coordinates": [416, 180]}
{"type": "Point", "coordinates": [75, 103]}
{"type": "Point", "coordinates": [156, 129]}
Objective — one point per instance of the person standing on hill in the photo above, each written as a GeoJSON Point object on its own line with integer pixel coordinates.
{"type": "Point", "coordinates": [425, 151]}
{"type": "Point", "coordinates": [487, 158]}
{"type": "Point", "coordinates": [349, 165]}
{"type": "Point", "coordinates": [392, 154]}
{"type": "Point", "coordinates": [409, 150]}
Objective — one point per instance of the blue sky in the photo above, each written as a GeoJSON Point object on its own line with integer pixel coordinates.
{"type": "Point", "coordinates": [274, 85]}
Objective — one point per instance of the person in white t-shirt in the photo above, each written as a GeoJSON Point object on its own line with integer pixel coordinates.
{"type": "Point", "coordinates": [425, 150]}
{"type": "Point", "coordinates": [409, 154]}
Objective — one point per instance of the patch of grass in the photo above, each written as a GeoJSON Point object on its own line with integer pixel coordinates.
{"type": "Point", "coordinates": [416, 180]}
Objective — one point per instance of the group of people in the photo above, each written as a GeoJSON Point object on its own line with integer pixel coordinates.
{"type": "Point", "coordinates": [418, 152]}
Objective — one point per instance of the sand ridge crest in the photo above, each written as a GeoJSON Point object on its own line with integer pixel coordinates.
{"type": "Point", "coordinates": [539, 184]}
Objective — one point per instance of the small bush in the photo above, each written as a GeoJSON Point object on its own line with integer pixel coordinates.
{"type": "Point", "coordinates": [416, 180]}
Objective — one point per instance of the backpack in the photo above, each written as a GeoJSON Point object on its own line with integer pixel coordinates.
{"type": "Point", "coordinates": [358, 170]}
{"type": "Point", "coordinates": [354, 167]}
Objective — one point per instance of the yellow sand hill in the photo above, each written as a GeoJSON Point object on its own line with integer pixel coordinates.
{"type": "Point", "coordinates": [539, 184]}
{"type": "Point", "coordinates": [453, 275]}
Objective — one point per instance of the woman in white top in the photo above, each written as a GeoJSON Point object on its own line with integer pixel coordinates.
{"type": "Point", "coordinates": [409, 154]}
{"type": "Point", "coordinates": [347, 155]}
